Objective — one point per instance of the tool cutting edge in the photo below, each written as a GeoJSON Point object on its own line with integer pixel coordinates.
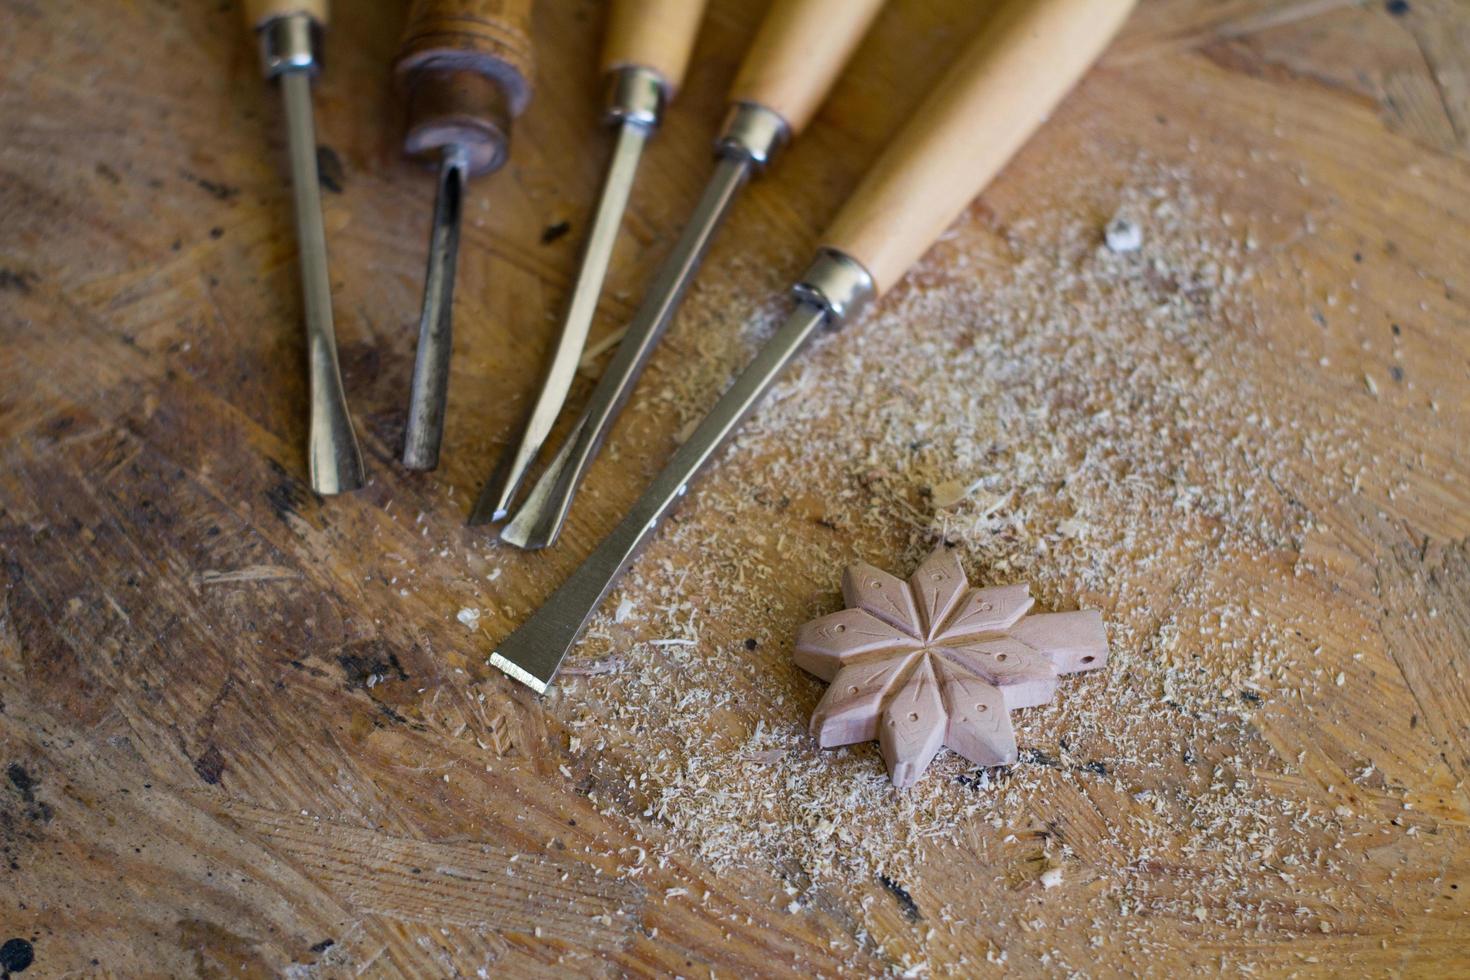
{"type": "Point", "coordinates": [994, 97]}
{"type": "Point", "coordinates": [539, 520]}
{"type": "Point", "coordinates": [430, 391]}
{"type": "Point", "coordinates": [795, 59]}
{"type": "Point", "coordinates": [333, 455]}
{"type": "Point", "coordinates": [500, 490]}
{"type": "Point", "coordinates": [533, 653]}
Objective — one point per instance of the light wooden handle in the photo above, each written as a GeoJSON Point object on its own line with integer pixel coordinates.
{"type": "Point", "coordinates": [653, 34]}
{"type": "Point", "coordinates": [489, 37]}
{"type": "Point", "coordinates": [989, 103]}
{"type": "Point", "coordinates": [798, 53]}
{"type": "Point", "coordinates": [258, 12]}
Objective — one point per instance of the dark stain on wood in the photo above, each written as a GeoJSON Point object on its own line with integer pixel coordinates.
{"type": "Point", "coordinates": [21, 780]}
{"type": "Point", "coordinates": [287, 494]}
{"type": "Point", "coordinates": [15, 956]}
{"type": "Point", "coordinates": [906, 903]}
{"type": "Point", "coordinates": [210, 765]}
{"type": "Point", "coordinates": [18, 282]}
{"type": "Point", "coordinates": [218, 190]}
{"type": "Point", "coordinates": [331, 174]}
{"type": "Point", "coordinates": [369, 665]}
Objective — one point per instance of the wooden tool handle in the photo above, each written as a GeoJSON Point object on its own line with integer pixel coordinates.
{"type": "Point", "coordinates": [258, 12]}
{"type": "Point", "coordinates": [798, 53]}
{"type": "Point", "coordinates": [653, 34]}
{"type": "Point", "coordinates": [466, 65]}
{"type": "Point", "coordinates": [989, 103]}
{"type": "Point", "coordinates": [489, 37]}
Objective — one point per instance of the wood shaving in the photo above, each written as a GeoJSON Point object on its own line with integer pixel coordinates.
{"type": "Point", "coordinates": [1105, 448]}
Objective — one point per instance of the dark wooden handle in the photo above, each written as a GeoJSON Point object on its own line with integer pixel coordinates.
{"type": "Point", "coordinates": [467, 66]}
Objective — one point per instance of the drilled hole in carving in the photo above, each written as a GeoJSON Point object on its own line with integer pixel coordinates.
{"type": "Point", "coordinates": [1088, 660]}
{"type": "Point", "coordinates": [853, 689]}
{"type": "Point", "coordinates": [913, 716]}
{"type": "Point", "coordinates": [839, 628]}
{"type": "Point", "coordinates": [1000, 656]}
{"type": "Point", "coordinates": [982, 707]}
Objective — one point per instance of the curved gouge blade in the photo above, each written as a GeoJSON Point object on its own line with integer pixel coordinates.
{"type": "Point", "coordinates": [540, 518]}
{"type": "Point", "coordinates": [430, 388]}
{"type": "Point", "coordinates": [500, 490]}
{"type": "Point", "coordinates": [334, 457]}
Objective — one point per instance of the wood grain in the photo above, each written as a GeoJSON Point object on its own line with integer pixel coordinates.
{"type": "Point", "coordinates": [243, 731]}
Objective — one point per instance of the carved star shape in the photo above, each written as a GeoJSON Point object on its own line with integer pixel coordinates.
{"type": "Point", "coordinates": [931, 662]}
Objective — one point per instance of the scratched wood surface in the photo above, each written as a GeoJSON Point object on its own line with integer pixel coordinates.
{"type": "Point", "coordinates": [233, 745]}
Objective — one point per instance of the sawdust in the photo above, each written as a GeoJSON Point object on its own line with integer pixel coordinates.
{"type": "Point", "coordinates": [1063, 414]}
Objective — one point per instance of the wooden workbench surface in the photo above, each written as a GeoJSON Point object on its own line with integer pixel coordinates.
{"type": "Point", "coordinates": [244, 728]}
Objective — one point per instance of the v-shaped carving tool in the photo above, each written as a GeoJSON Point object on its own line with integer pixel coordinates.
{"type": "Point", "coordinates": [290, 33]}
{"type": "Point", "coordinates": [797, 55]}
{"type": "Point", "coordinates": [466, 67]}
{"type": "Point", "coordinates": [646, 53]}
{"type": "Point", "coordinates": [989, 103]}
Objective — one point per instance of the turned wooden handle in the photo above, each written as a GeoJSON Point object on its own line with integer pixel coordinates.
{"type": "Point", "coordinates": [989, 103]}
{"type": "Point", "coordinates": [258, 12]}
{"type": "Point", "coordinates": [653, 34]}
{"type": "Point", "coordinates": [798, 53]}
{"type": "Point", "coordinates": [488, 37]}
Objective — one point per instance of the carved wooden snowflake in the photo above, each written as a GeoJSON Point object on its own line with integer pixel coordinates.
{"type": "Point", "coordinates": [932, 662]}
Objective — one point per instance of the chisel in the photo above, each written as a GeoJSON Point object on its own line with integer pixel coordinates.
{"type": "Point", "coordinates": [465, 66]}
{"type": "Point", "coordinates": [797, 55]}
{"type": "Point", "coordinates": [989, 103]}
{"type": "Point", "coordinates": [290, 36]}
{"type": "Point", "coordinates": [644, 57]}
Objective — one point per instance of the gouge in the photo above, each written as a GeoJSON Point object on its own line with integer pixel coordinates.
{"type": "Point", "coordinates": [466, 68]}
{"type": "Point", "coordinates": [988, 104]}
{"type": "Point", "coordinates": [645, 55]}
{"type": "Point", "coordinates": [794, 61]}
{"type": "Point", "coordinates": [290, 36]}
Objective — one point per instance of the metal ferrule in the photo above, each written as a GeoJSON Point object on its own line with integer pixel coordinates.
{"type": "Point", "coordinates": [752, 132]}
{"type": "Point", "coordinates": [838, 283]}
{"type": "Point", "coordinates": [635, 95]}
{"type": "Point", "coordinates": [290, 43]}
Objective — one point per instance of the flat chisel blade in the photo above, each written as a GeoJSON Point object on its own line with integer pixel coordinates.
{"type": "Point", "coordinates": [533, 653]}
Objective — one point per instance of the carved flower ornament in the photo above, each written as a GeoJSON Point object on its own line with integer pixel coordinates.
{"type": "Point", "coordinates": [932, 662]}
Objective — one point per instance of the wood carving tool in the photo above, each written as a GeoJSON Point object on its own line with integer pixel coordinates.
{"type": "Point", "coordinates": [797, 55]}
{"type": "Point", "coordinates": [466, 67]}
{"type": "Point", "coordinates": [290, 36]}
{"type": "Point", "coordinates": [645, 56]}
{"type": "Point", "coordinates": [989, 103]}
